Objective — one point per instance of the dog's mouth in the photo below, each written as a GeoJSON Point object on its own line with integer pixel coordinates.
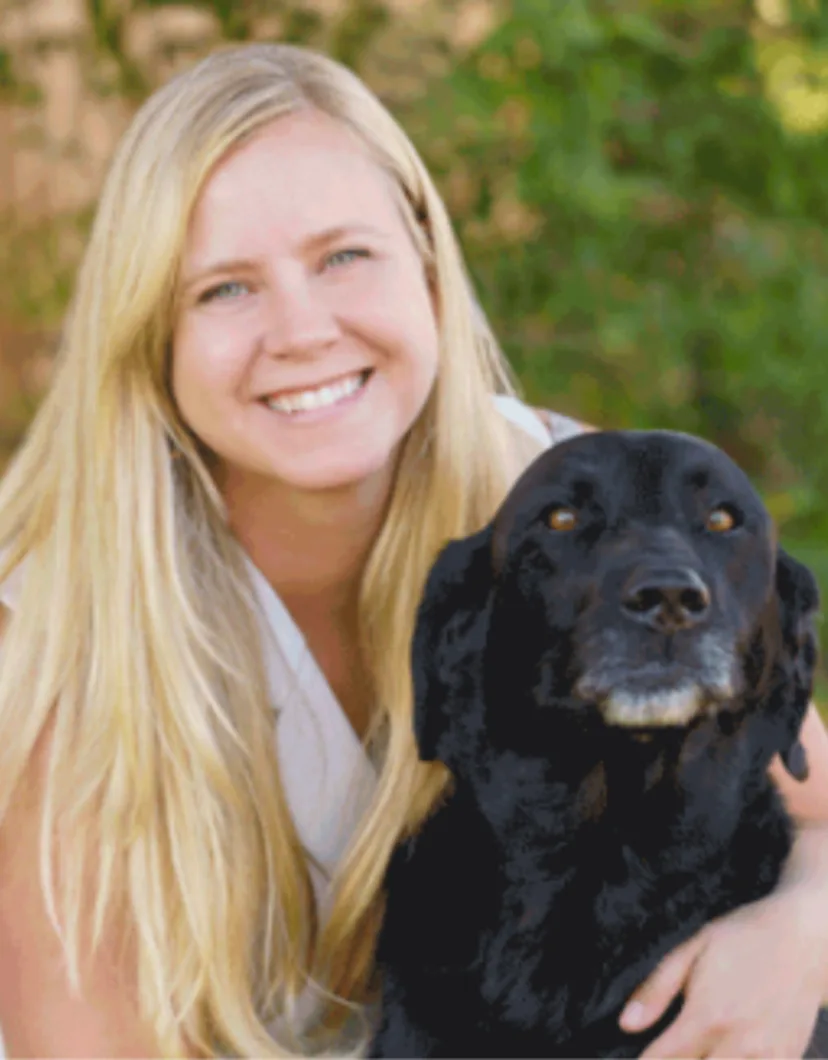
{"type": "Point", "coordinates": [657, 684]}
{"type": "Point", "coordinates": [654, 700]}
{"type": "Point", "coordinates": [679, 706]}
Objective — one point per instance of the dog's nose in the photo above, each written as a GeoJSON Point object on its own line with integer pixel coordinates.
{"type": "Point", "coordinates": [666, 600]}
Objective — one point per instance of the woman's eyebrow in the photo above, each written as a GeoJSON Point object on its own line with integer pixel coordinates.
{"type": "Point", "coordinates": [314, 242]}
{"type": "Point", "coordinates": [230, 265]}
{"type": "Point", "coordinates": [331, 235]}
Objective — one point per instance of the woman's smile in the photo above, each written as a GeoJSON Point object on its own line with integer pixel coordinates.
{"type": "Point", "coordinates": [309, 404]}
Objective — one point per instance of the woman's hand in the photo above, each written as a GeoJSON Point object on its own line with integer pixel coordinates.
{"type": "Point", "coordinates": [753, 982]}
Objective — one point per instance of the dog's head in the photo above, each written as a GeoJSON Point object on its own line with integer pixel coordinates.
{"type": "Point", "coordinates": [630, 580]}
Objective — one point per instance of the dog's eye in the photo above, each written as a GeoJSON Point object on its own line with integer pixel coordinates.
{"type": "Point", "coordinates": [562, 519]}
{"type": "Point", "coordinates": [720, 520]}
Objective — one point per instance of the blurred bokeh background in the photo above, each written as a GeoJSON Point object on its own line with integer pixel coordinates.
{"type": "Point", "coordinates": [641, 188]}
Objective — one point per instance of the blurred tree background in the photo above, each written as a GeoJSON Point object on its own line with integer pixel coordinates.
{"type": "Point", "coordinates": [641, 188]}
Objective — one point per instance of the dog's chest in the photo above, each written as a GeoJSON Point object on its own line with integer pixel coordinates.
{"type": "Point", "coordinates": [549, 916]}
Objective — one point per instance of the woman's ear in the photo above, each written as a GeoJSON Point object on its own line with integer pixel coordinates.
{"type": "Point", "coordinates": [448, 645]}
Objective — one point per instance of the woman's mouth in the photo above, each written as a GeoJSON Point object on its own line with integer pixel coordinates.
{"type": "Point", "coordinates": [320, 397]}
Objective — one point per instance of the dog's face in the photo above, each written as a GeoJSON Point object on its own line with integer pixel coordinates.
{"type": "Point", "coordinates": [654, 556]}
{"type": "Point", "coordinates": [630, 578]}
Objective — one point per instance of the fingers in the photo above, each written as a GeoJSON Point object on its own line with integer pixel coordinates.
{"type": "Point", "coordinates": [708, 1027]}
{"type": "Point", "coordinates": [684, 1039]}
{"type": "Point", "coordinates": [651, 1000]}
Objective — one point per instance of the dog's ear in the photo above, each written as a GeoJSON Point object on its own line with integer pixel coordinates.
{"type": "Point", "coordinates": [449, 640]}
{"type": "Point", "coordinates": [797, 597]}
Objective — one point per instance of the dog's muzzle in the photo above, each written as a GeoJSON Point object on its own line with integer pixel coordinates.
{"type": "Point", "coordinates": [659, 661]}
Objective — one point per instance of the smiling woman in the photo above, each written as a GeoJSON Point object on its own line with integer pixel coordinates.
{"type": "Point", "coordinates": [273, 404]}
{"type": "Point", "coordinates": [275, 401]}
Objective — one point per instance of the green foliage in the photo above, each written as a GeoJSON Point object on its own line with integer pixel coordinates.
{"type": "Point", "coordinates": [646, 234]}
{"type": "Point", "coordinates": [7, 80]}
{"type": "Point", "coordinates": [357, 30]}
{"type": "Point", "coordinates": [108, 22]}
{"type": "Point", "coordinates": [13, 89]}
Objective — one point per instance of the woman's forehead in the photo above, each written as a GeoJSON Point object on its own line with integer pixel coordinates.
{"type": "Point", "coordinates": [302, 172]}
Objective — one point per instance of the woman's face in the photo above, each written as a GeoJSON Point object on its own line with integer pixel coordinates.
{"type": "Point", "coordinates": [305, 345]}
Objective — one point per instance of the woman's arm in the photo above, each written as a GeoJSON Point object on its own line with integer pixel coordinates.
{"type": "Point", "coordinates": [754, 979]}
{"type": "Point", "coordinates": [806, 871]}
{"type": "Point", "coordinates": [39, 1013]}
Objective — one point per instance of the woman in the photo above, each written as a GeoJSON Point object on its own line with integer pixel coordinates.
{"type": "Point", "coordinates": [273, 404]}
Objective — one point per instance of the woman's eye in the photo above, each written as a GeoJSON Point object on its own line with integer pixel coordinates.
{"type": "Point", "coordinates": [224, 291]}
{"type": "Point", "coordinates": [562, 519]}
{"type": "Point", "coordinates": [720, 520]}
{"type": "Point", "coordinates": [345, 257]}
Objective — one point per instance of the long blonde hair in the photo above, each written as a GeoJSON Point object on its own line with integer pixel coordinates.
{"type": "Point", "coordinates": [135, 639]}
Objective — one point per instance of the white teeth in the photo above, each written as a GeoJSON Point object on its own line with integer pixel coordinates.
{"type": "Point", "coordinates": [323, 396]}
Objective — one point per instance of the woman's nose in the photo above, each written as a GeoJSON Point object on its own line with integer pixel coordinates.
{"type": "Point", "coordinates": [299, 322]}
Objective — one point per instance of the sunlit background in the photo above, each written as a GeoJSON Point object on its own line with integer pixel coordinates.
{"type": "Point", "coordinates": [641, 187]}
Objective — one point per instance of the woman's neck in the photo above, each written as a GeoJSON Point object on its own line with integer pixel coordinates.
{"type": "Point", "coordinates": [311, 546]}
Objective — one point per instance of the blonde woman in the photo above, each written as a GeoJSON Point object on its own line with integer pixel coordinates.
{"type": "Point", "coordinates": [274, 402]}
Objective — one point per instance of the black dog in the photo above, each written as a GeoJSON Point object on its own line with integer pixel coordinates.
{"type": "Point", "coordinates": [608, 670]}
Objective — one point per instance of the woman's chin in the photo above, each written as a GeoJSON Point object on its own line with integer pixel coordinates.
{"type": "Point", "coordinates": [337, 474]}
{"type": "Point", "coordinates": [349, 465]}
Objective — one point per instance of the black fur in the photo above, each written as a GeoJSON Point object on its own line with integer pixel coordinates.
{"type": "Point", "coordinates": [579, 846]}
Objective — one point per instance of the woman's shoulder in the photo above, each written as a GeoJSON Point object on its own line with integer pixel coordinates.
{"type": "Point", "coordinates": [546, 426]}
